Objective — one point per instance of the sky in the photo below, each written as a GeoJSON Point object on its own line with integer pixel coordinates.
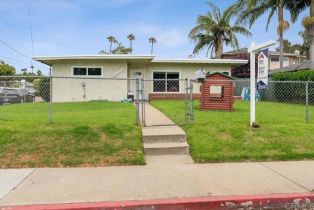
{"type": "Point", "coordinates": [76, 27]}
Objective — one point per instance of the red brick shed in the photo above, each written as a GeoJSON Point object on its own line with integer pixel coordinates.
{"type": "Point", "coordinates": [217, 92]}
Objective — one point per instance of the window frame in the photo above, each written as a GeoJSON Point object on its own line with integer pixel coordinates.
{"type": "Point", "coordinates": [166, 71]}
{"type": "Point", "coordinates": [87, 67]}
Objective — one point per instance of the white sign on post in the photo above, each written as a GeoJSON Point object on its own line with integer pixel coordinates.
{"type": "Point", "coordinates": [262, 73]}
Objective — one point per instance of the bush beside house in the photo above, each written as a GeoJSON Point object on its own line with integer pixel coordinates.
{"type": "Point", "coordinates": [287, 87]}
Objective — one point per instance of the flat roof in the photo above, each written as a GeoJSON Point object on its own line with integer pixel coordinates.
{"type": "Point", "coordinates": [201, 61]}
{"type": "Point", "coordinates": [50, 59]}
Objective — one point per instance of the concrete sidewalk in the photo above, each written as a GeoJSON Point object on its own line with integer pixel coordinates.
{"type": "Point", "coordinates": [160, 179]}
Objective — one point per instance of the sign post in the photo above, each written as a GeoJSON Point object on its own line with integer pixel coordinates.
{"type": "Point", "coordinates": [254, 48]}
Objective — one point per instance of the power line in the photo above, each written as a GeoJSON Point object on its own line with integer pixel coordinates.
{"type": "Point", "coordinates": [15, 50]}
{"type": "Point", "coordinates": [13, 62]}
{"type": "Point", "coordinates": [31, 27]}
{"type": "Point", "coordinates": [13, 59]}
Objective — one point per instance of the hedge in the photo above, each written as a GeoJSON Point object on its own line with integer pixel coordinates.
{"type": "Point", "coordinates": [290, 92]}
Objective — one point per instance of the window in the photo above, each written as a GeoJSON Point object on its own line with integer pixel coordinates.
{"type": "Point", "coordinates": [94, 71]}
{"type": "Point", "coordinates": [216, 91]}
{"type": "Point", "coordinates": [79, 71]}
{"type": "Point", "coordinates": [275, 59]}
{"type": "Point", "coordinates": [87, 71]}
{"type": "Point", "coordinates": [166, 82]}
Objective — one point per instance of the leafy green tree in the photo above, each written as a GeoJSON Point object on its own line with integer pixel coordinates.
{"type": "Point", "coordinates": [308, 23]}
{"type": "Point", "coordinates": [305, 48]}
{"type": "Point", "coordinates": [131, 38]}
{"type": "Point", "coordinates": [152, 41]}
{"type": "Point", "coordinates": [112, 40]}
{"type": "Point", "coordinates": [120, 49]}
{"type": "Point", "coordinates": [214, 29]}
{"type": "Point", "coordinates": [44, 88]}
{"type": "Point", "coordinates": [6, 69]}
{"type": "Point", "coordinates": [250, 10]}
{"type": "Point", "coordinates": [39, 73]}
{"type": "Point", "coordinates": [288, 47]}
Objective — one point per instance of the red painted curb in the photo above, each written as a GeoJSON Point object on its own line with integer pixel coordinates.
{"type": "Point", "coordinates": [274, 201]}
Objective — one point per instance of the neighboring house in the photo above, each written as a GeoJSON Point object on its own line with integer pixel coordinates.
{"type": "Point", "coordinates": [288, 59]}
{"type": "Point", "coordinates": [244, 71]}
{"type": "Point", "coordinates": [82, 78]}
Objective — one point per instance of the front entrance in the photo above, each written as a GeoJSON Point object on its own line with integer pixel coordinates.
{"type": "Point", "coordinates": [136, 74]}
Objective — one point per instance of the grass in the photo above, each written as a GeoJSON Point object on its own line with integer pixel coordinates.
{"type": "Point", "coordinates": [218, 136]}
{"type": "Point", "coordinates": [82, 134]}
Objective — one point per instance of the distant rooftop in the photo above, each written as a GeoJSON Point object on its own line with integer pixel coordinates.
{"type": "Point", "coordinates": [305, 65]}
{"type": "Point", "coordinates": [246, 50]}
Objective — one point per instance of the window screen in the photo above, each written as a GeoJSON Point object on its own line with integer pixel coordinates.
{"type": "Point", "coordinates": [159, 85]}
{"type": "Point", "coordinates": [166, 82]}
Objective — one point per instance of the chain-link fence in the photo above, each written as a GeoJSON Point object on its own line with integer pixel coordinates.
{"type": "Point", "coordinates": [65, 99]}
{"type": "Point", "coordinates": [167, 95]}
{"type": "Point", "coordinates": [280, 102]}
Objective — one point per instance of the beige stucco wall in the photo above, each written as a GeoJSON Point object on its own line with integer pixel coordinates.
{"type": "Point", "coordinates": [185, 70]}
{"type": "Point", "coordinates": [276, 64]}
{"type": "Point", "coordinates": [71, 89]}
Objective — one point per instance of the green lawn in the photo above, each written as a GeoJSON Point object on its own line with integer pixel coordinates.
{"type": "Point", "coordinates": [82, 134]}
{"type": "Point", "coordinates": [218, 136]}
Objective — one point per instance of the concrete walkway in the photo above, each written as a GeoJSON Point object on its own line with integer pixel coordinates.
{"type": "Point", "coordinates": [161, 136]}
{"type": "Point", "coordinates": [156, 180]}
{"type": "Point", "coordinates": [153, 117]}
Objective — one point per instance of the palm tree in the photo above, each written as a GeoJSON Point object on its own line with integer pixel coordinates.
{"type": "Point", "coordinates": [131, 37]}
{"type": "Point", "coordinates": [153, 41]}
{"type": "Point", "coordinates": [250, 10]}
{"type": "Point", "coordinates": [112, 40]}
{"type": "Point", "coordinates": [214, 29]}
{"type": "Point", "coordinates": [308, 23]}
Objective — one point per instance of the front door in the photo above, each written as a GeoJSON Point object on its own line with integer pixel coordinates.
{"type": "Point", "coordinates": [136, 74]}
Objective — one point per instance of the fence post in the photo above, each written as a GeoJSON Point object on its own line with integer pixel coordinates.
{"type": "Point", "coordinates": [307, 102]}
{"type": "Point", "coordinates": [50, 99]}
{"type": "Point", "coordinates": [5, 92]}
{"type": "Point", "coordinates": [137, 94]}
{"type": "Point", "coordinates": [186, 100]}
{"type": "Point", "coordinates": [191, 118]}
{"type": "Point", "coordinates": [143, 101]}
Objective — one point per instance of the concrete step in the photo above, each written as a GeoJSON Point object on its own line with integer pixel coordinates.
{"type": "Point", "coordinates": [163, 134]}
{"type": "Point", "coordinates": [173, 148]}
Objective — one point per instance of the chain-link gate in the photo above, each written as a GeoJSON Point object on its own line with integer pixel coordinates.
{"type": "Point", "coordinates": [162, 95]}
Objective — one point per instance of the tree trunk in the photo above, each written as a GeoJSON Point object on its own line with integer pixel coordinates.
{"type": "Point", "coordinates": [152, 49]}
{"type": "Point", "coordinates": [219, 48]}
{"type": "Point", "coordinates": [280, 31]}
{"type": "Point", "coordinates": [311, 36]}
{"type": "Point", "coordinates": [131, 46]}
{"type": "Point", "coordinates": [110, 47]}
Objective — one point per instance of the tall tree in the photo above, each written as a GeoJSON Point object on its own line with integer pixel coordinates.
{"type": "Point", "coordinates": [250, 10]}
{"type": "Point", "coordinates": [131, 38]}
{"type": "Point", "coordinates": [6, 69]}
{"type": "Point", "coordinates": [111, 40]}
{"type": "Point", "coordinates": [153, 41]}
{"type": "Point", "coordinates": [308, 23]}
{"type": "Point", "coordinates": [120, 49]}
{"type": "Point", "coordinates": [214, 29]}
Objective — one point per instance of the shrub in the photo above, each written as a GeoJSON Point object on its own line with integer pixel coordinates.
{"type": "Point", "coordinates": [293, 92]}
{"type": "Point", "coordinates": [44, 88]}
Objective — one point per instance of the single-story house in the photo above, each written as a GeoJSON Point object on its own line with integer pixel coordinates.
{"type": "Point", "coordinates": [107, 77]}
